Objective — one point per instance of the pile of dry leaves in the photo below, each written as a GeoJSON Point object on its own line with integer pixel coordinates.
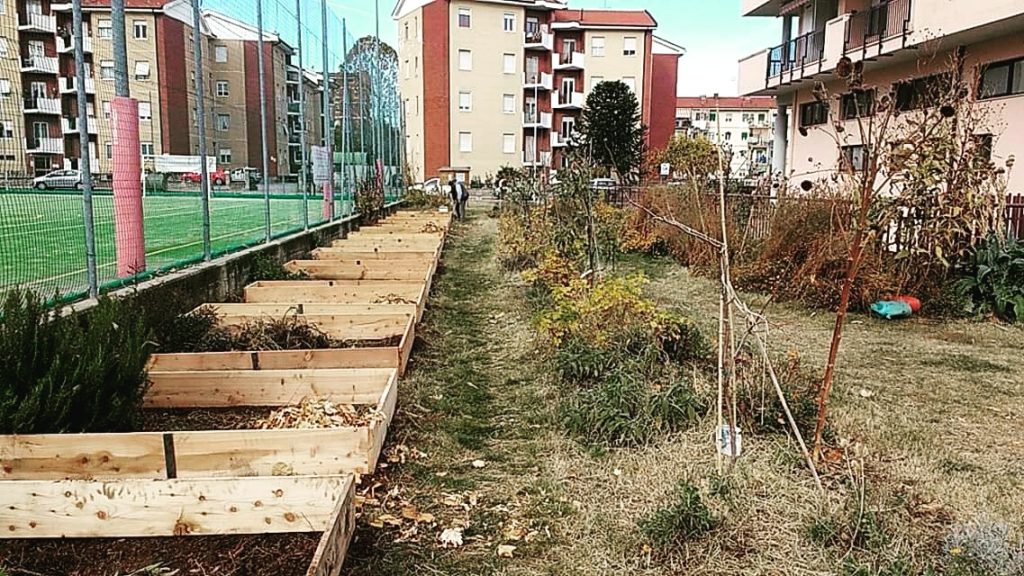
{"type": "Point", "coordinates": [313, 413]}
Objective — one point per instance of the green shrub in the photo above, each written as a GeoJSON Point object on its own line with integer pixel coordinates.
{"type": "Point", "coordinates": [84, 372]}
{"type": "Point", "coordinates": [686, 518]}
{"type": "Point", "coordinates": [993, 278]}
{"type": "Point", "coordinates": [266, 267]}
{"type": "Point", "coordinates": [625, 408]}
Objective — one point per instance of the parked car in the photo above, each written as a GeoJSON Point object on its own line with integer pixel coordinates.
{"type": "Point", "coordinates": [432, 186]}
{"type": "Point", "coordinates": [219, 177]}
{"type": "Point", "coordinates": [58, 179]}
{"type": "Point", "coordinates": [244, 174]}
{"type": "Point", "coordinates": [602, 184]}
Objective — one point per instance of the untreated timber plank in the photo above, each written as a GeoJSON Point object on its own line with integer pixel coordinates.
{"type": "Point", "coordinates": [333, 547]}
{"type": "Point", "coordinates": [348, 254]}
{"type": "Point", "coordinates": [333, 270]}
{"type": "Point", "coordinates": [127, 508]}
{"type": "Point", "coordinates": [336, 292]}
{"type": "Point", "coordinates": [227, 388]}
{"type": "Point", "coordinates": [58, 456]}
{"type": "Point", "coordinates": [343, 327]}
{"type": "Point", "coordinates": [283, 308]}
{"type": "Point", "coordinates": [377, 357]}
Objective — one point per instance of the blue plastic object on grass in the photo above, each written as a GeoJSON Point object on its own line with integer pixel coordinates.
{"type": "Point", "coordinates": [890, 309]}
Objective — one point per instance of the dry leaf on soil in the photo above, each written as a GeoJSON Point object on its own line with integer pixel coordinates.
{"type": "Point", "coordinates": [451, 537]}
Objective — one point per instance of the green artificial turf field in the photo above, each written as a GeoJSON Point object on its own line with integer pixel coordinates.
{"type": "Point", "coordinates": [42, 236]}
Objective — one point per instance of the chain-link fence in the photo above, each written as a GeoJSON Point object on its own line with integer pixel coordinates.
{"type": "Point", "coordinates": [295, 110]}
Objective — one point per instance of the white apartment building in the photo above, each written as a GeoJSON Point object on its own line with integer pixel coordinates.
{"type": "Point", "coordinates": [743, 126]}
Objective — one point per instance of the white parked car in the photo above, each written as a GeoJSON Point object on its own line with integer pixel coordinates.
{"type": "Point", "coordinates": [58, 179]}
{"type": "Point", "coordinates": [432, 186]}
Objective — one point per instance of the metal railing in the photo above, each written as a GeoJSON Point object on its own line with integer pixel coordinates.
{"type": "Point", "coordinates": [887, 20]}
{"type": "Point", "coordinates": [798, 53]}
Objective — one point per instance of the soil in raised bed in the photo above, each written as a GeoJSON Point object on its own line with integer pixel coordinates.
{"type": "Point", "coordinates": [249, 418]}
{"type": "Point", "coordinates": [249, 555]}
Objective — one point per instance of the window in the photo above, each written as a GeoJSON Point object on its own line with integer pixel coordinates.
{"type": "Point", "coordinates": [712, 116]}
{"type": "Point", "coordinates": [595, 80]}
{"type": "Point", "coordinates": [220, 54]}
{"type": "Point", "coordinates": [509, 63]}
{"type": "Point", "coordinates": [629, 46]}
{"type": "Point", "coordinates": [147, 149]}
{"type": "Point", "coordinates": [858, 104]}
{"type": "Point", "coordinates": [408, 69]}
{"type": "Point", "coordinates": [464, 17]}
{"type": "Point", "coordinates": [813, 113]}
{"type": "Point", "coordinates": [416, 64]}
{"type": "Point", "coordinates": [141, 29]}
{"type": "Point", "coordinates": [761, 117]}
{"type": "Point", "coordinates": [728, 136]}
{"type": "Point", "coordinates": [104, 29]}
{"type": "Point", "coordinates": [109, 149]}
{"type": "Point", "coordinates": [406, 31]}
{"type": "Point", "coordinates": [3, 47]}
{"type": "Point", "coordinates": [465, 141]}
{"type": "Point", "coordinates": [1002, 79]}
{"type": "Point", "coordinates": [3, 6]}
{"type": "Point", "coordinates": [465, 101]}
{"type": "Point", "coordinates": [630, 83]}
{"type": "Point", "coordinates": [6, 129]}
{"type": "Point", "coordinates": [854, 158]}
{"type": "Point", "coordinates": [918, 93]}
{"type": "Point", "coordinates": [508, 103]}
{"type": "Point", "coordinates": [106, 109]}
{"type": "Point", "coordinates": [223, 89]}
{"type": "Point", "coordinates": [224, 156]}
{"type": "Point", "coordinates": [142, 69]}
{"type": "Point", "coordinates": [5, 87]}
{"type": "Point", "coordinates": [508, 22]}
{"type": "Point", "coordinates": [744, 136]}
{"type": "Point", "coordinates": [106, 69]}
{"type": "Point", "coordinates": [597, 46]}
{"type": "Point", "coordinates": [223, 122]}
{"type": "Point", "coordinates": [145, 111]}
{"type": "Point", "coordinates": [508, 143]}
{"type": "Point", "coordinates": [465, 60]}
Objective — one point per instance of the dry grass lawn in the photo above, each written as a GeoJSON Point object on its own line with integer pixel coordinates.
{"type": "Point", "coordinates": [929, 414]}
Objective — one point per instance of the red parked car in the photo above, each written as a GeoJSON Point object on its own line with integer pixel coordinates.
{"type": "Point", "coordinates": [219, 177]}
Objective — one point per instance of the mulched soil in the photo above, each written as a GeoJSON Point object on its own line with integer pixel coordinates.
{"type": "Point", "coordinates": [185, 419]}
{"type": "Point", "coordinates": [254, 555]}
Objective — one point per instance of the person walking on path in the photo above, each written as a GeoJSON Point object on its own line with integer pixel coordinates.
{"type": "Point", "coordinates": [463, 199]}
{"type": "Point", "coordinates": [453, 190]}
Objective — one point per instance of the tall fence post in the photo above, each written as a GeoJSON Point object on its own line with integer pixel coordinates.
{"type": "Point", "coordinates": [204, 173]}
{"type": "Point", "coordinates": [263, 120]}
{"type": "Point", "coordinates": [302, 119]}
{"type": "Point", "coordinates": [328, 191]}
{"type": "Point", "coordinates": [344, 117]}
{"type": "Point", "coordinates": [127, 161]}
{"type": "Point", "coordinates": [84, 164]}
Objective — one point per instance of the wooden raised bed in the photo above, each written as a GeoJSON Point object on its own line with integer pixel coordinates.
{"type": "Point", "coordinates": [415, 242]}
{"type": "Point", "coordinates": [219, 453]}
{"type": "Point", "coordinates": [361, 292]}
{"type": "Point", "coordinates": [187, 509]}
{"type": "Point", "coordinates": [378, 270]}
{"type": "Point", "coordinates": [368, 254]}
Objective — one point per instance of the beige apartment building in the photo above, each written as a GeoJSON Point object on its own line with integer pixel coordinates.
{"type": "Point", "coordinates": [38, 98]}
{"type": "Point", "coordinates": [742, 126]}
{"type": "Point", "coordinates": [493, 83]}
{"type": "Point", "coordinates": [904, 46]}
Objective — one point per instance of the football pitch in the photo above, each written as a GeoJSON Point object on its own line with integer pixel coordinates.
{"type": "Point", "coordinates": [42, 235]}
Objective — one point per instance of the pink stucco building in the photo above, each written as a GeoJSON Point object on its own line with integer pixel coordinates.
{"type": "Point", "coordinates": [899, 41]}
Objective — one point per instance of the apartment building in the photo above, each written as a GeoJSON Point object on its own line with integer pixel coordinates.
{"type": "Point", "coordinates": [493, 83]}
{"type": "Point", "coordinates": [38, 97]}
{"type": "Point", "coordinates": [904, 45]}
{"type": "Point", "coordinates": [743, 126]}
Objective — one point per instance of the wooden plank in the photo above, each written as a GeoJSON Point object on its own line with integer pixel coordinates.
{"type": "Point", "coordinates": [82, 456]}
{"type": "Point", "coordinates": [347, 254]}
{"type": "Point", "coordinates": [331, 551]}
{"type": "Point", "coordinates": [334, 270]}
{"type": "Point", "coordinates": [388, 404]}
{"type": "Point", "coordinates": [338, 293]}
{"type": "Point", "coordinates": [405, 348]}
{"type": "Point", "coordinates": [377, 357]}
{"type": "Point", "coordinates": [389, 243]}
{"type": "Point", "coordinates": [129, 508]}
{"type": "Point", "coordinates": [414, 229]}
{"type": "Point", "coordinates": [343, 327]}
{"type": "Point", "coordinates": [281, 452]}
{"type": "Point", "coordinates": [272, 310]}
{"type": "Point", "coordinates": [228, 388]}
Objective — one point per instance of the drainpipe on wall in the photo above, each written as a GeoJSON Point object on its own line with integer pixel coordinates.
{"type": "Point", "coordinates": [781, 141]}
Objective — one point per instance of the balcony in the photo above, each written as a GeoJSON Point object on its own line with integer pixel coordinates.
{"type": "Point", "coordinates": [568, 100]}
{"type": "Point", "coordinates": [559, 140]}
{"type": "Point", "coordinates": [70, 126]}
{"type": "Point", "coordinates": [871, 32]}
{"type": "Point", "coordinates": [538, 81]}
{"type": "Point", "coordinates": [47, 24]}
{"type": "Point", "coordinates": [535, 120]}
{"type": "Point", "coordinates": [540, 39]}
{"type": "Point", "coordinates": [39, 105]}
{"type": "Point", "coordinates": [39, 65]}
{"type": "Point", "coordinates": [67, 45]}
{"type": "Point", "coordinates": [69, 85]}
{"type": "Point", "coordinates": [44, 145]}
{"type": "Point", "coordinates": [568, 61]}
{"type": "Point", "coordinates": [538, 159]}
{"type": "Point", "coordinates": [761, 7]}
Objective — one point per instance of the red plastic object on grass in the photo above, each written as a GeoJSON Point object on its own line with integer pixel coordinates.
{"type": "Point", "coordinates": [914, 303]}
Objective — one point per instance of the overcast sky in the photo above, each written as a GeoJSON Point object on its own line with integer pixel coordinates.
{"type": "Point", "coordinates": [712, 31]}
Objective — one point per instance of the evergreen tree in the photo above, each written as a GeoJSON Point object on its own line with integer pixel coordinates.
{"type": "Point", "coordinates": [610, 127]}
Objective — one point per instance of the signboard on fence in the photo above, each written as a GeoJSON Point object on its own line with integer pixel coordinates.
{"type": "Point", "coordinates": [179, 164]}
{"type": "Point", "coordinates": [666, 169]}
{"type": "Point", "coordinates": [321, 165]}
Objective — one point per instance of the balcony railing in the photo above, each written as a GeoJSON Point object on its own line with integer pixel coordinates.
{"type": "Point", "coordinates": [567, 99]}
{"type": "Point", "coordinates": [538, 80]}
{"type": "Point", "coordinates": [797, 54]}
{"type": "Point", "coordinates": [889, 19]}
{"type": "Point", "coordinates": [69, 85]}
{"type": "Point", "coordinates": [41, 105]}
{"type": "Point", "coordinates": [40, 64]}
{"type": "Point", "coordinates": [66, 45]}
{"type": "Point", "coordinates": [568, 60]}
{"type": "Point", "coordinates": [535, 158]}
{"type": "Point", "coordinates": [537, 119]}
{"type": "Point", "coordinates": [70, 126]}
{"type": "Point", "coordinates": [38, 23]}
{"type": "Point", "coordinates": [44, 145]}
{"type": "Point", "coordinates": [540, 39]}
